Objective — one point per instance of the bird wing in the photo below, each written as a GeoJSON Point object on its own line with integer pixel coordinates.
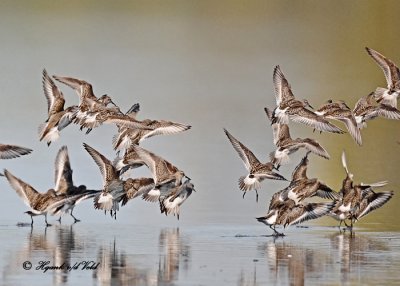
{"type": "Point", "coordinates": [248, 158]}
{"type": "Point", "coordinates": [388, 111]}
{"type": "Point", "coordinates": [25, 191]}
{"type": "Point", "coordinates": [63, 171]}
{"type": "Point", "coordinates": [163, 127]}
{"type": "Point", "coordinates": [51, 91]}
{"type": "Point", "coordinates": [106, 167]}
{"type": "Point", "coordinates": [374, 201]}
{"type": "Point", "coordinates": [310, 211]}
{"type": "Point", "coordinates": [283, 91]}
{"type": "Point", "coordinates": [12, 151]}
{"type": "Point", "coordinates": [125, 121]}
{"type": "Point", "coordinates": [157, 165]}
{"type": "Point", "coordinates": [313, 146]}
{"type": "Point", "coordinates": [300, 172]}
{"type": "Point", "coordinates": [307, 117]}
{"type": "Point", "coordinates": [390, 70]}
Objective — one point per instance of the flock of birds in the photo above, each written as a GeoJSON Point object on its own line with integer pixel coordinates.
{"type": "Point", "coordinates": [289, 206]}
{"type": "Point", "coordinates": [168, 185]}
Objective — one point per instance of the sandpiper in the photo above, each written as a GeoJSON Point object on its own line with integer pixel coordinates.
{"type": "Point", "coordinates": [390, 94]}
{"type": "Point", "coordinates": [50, 130]}
{"type": "Point", "coordinates": [288, 213]}
{"type": "Point", "coordinates": [135, 188]}
{"type": "Point", "coordinates": [286, 145]}
{"type": "Point", "coordinates": [358, 201]}
{"type": "Point", "coordinates": [123, 142]}
{"type": "Point", "coordinates": [351, 196]}
{"type": "Point", "coordinates": [113, 186]}
{"type": "Point", "coordinates": [367, 109]}
{"type": "Point", "coordinates": [8, 151]}
{"type": "Point", "coordinates": [302, 187]}
{"type": "Point", "coordinates": [172, 203]}
{"type": "Point", "coordinates": [58, 117]}
{"type": "Point", "coordinates": [341, 112]}
{"type": "Point", "coordinates": [127, 136]}
{"type": "Point", "coordinates": [90, 110]}
{"type": "Point", "coordinates": [95, 118]}
{"type": "Point", "coordinates": [130, 160]}
{"type": "Point", "coordinates": [257, 171]}
{"type": "Point", "coordinates": [288, 107]}
{"type": "Point", "coordinates": [164, 173]}
{"type": "Point", "coordinates": [64, 185]}
{"type": "Point", "coordinates": [40, 203]}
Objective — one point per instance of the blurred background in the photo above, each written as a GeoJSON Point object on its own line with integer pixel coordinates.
{"type": "Point", "coordinates": [204, 63]}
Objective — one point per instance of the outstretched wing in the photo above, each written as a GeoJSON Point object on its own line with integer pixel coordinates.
{"type": "Point", "coordinates": [63, 171]}
{"type": "Point", "coordinates": [106, 167]}
{"type": "Point", "coordinates": [248, 158]}
{"type": "Point", "coordinates": [283, 91]}
{"type": "Point", "coordinates": [25, 191]}
{"type": "Point", "coordinates": [12, 151]}
{"type": "Point", "coordinates": [390, 70]}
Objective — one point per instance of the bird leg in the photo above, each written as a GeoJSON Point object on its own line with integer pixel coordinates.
{"type": "Point", "coordinates": [276, 233]}
{"type": "Point", "coordinates": [59, 220]}
{"type": "Point", "coordinates": [244, 193]}
{"type": "Point", "coordinates": [45, 219]}
{"type": "Point", "coordinates": [75, 219]}
{"type": "Point", "coordinates": [31, 221]}
{"type": "Point", "coordinates": [256, 196]}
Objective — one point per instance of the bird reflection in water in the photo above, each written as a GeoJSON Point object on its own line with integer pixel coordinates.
{"type": "Point", "coordinates": [116, 269]}
{"type": "Point", "coordinates": [288, 263]}
{"type": "Point", "coordinates": [251, 281]}
{"type": "Point", "coordinates": [354, 253]}
{"type": "Point", "coordinates": [53, 244]}
{"type": "Point", "coordinates": [174, 252]}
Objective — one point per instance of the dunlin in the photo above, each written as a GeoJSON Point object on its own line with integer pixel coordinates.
{"type": "Point", "coordinates": [40, 203]}
{"type": "Point", "coordinates": [127, 136]}
{"type": "Point", "coordinates": [288, 107]}
{"type": "Point", "coordinates": [257, 171]}
{"type": "Point", "coordinates": [58, 117]}
{"type": "Point", "coordinates": [113, 186]}
{"type": "Point", "coordinates": [352, 195]}
{"type": "Point", "coordinates": [64, 185]}
{"type": "Point", "coordinates": [286, 146]}
{"type": "Point", "coordinates": [341, 112]}
{"type": "Point", "coordinates": [390, 94]}
{"type": "Point", "coordinates": [288, 213]}
{"type": "Point", "coordinates": [302, 188]}
{"type": "Point", "coordinates": [165, 175]}
{"type": "Point", "coordinates": [171, 204]}
{"type": "Point", "coordinates": [135, 188]}
{"type": "Point", "coordinates": [367, 109]}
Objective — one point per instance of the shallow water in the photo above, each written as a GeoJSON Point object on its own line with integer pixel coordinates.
{"type": "Point", "coordinates": [208, 64]}
{"type": "Point", "coordinates": [202, 255]}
